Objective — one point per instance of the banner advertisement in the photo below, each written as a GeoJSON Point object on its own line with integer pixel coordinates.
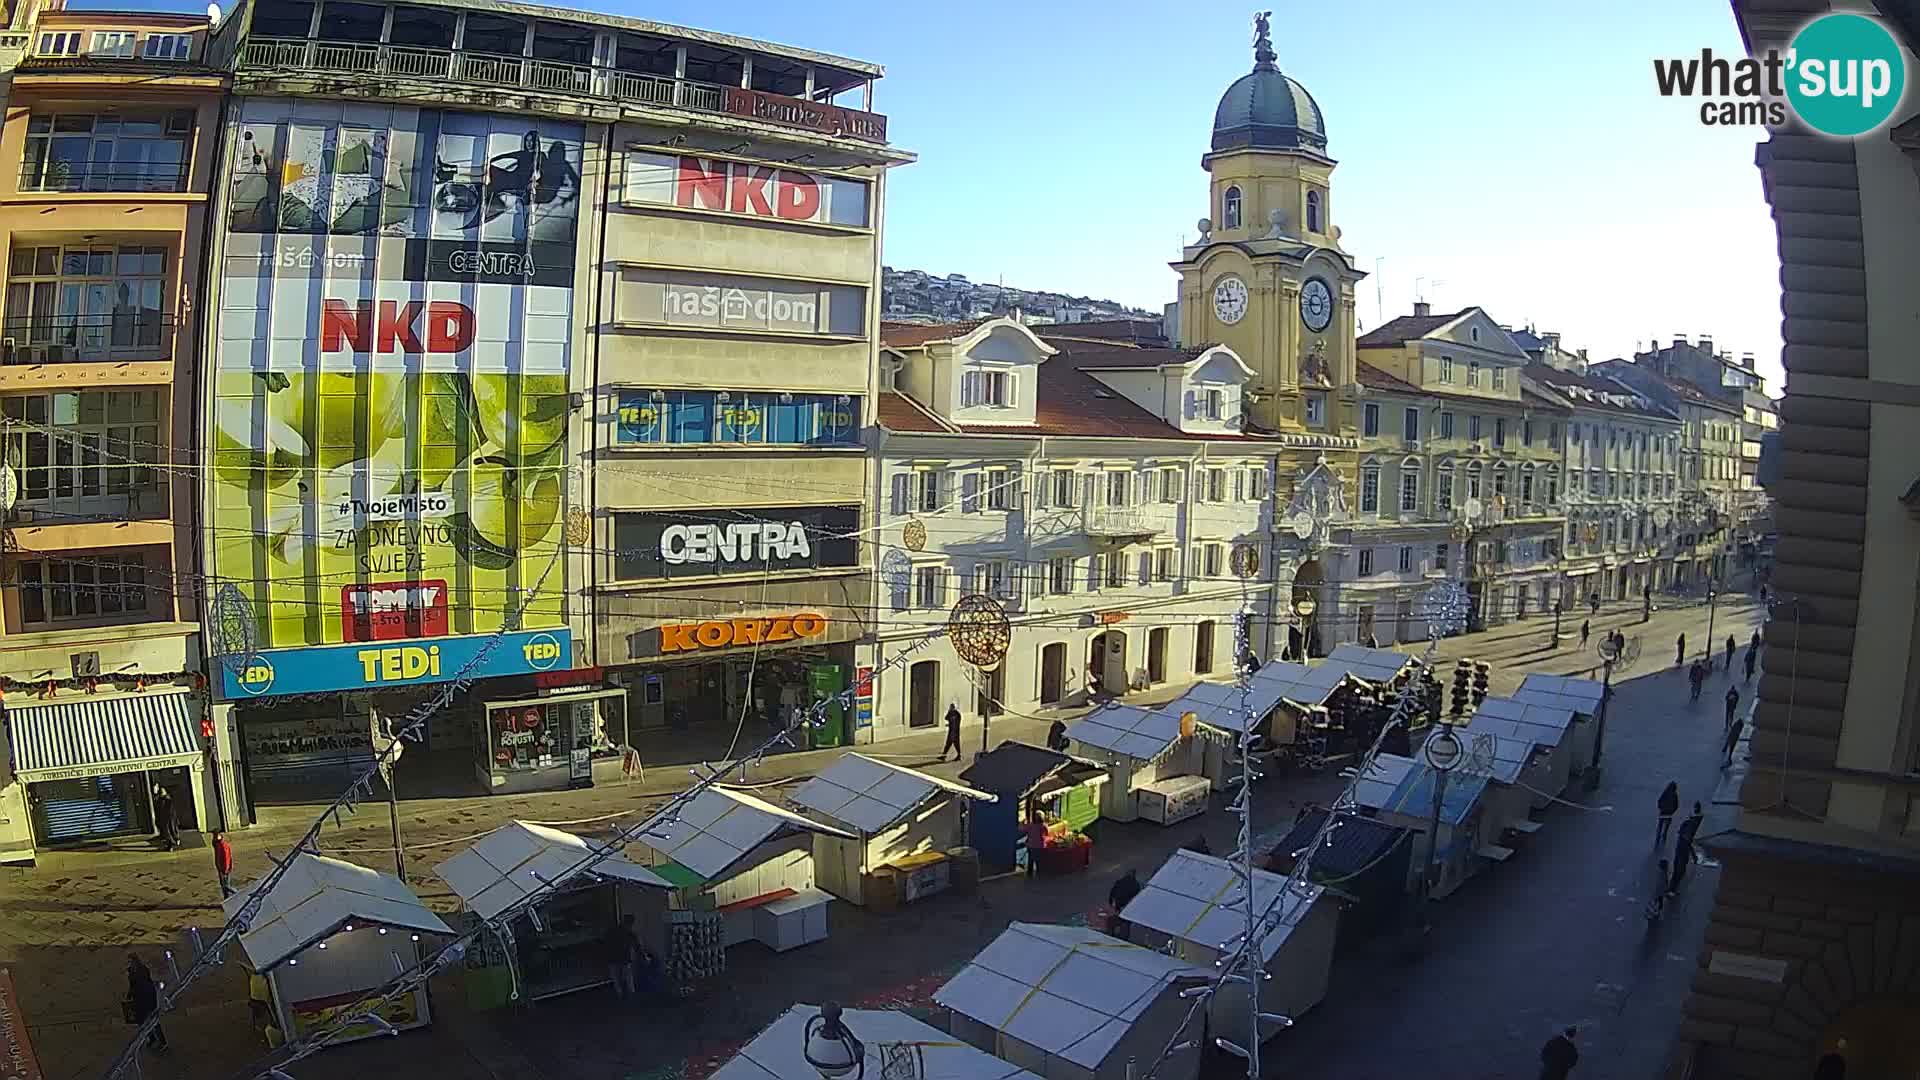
{"type": "Point", "coordinates": [649, 297]}
{"type": "Point", "coordinates": [738, 187]}
{"type": "Point", "coordinates": [391, 394]}
{"type": "Point", "coordinates": [748, 540]}
{"type": "Point", "coordinates": [383, 666]}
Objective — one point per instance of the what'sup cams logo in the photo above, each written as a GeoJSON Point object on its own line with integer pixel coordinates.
{"type": "Point", "coordinates": [1843, 75]}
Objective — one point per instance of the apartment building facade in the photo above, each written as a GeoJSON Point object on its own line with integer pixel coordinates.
{"type": "Point", "coordinates": [500, 294]}
{"type": "Point", "coordinates": [1709, 500]}
{"type": "Point", "coordinates": [1733, 382]}
{"type": "Point", "coordinates": [110, 144]}
{"type": "Point", "coordinates": [1105, 495]}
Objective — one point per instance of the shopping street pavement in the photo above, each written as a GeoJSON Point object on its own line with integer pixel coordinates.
{"type": "Point", "coordinates": [1500, 967]}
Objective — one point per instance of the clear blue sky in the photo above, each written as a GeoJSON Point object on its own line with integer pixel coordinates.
{"type": "Point", "coordinates": [1513, 154]}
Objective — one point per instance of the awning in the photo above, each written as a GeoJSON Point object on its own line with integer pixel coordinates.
{"type": "Point", "coordinates": [90, 736]}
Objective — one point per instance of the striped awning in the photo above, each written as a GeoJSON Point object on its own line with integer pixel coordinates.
{"type": "Point", "coordinates": [88, 737]}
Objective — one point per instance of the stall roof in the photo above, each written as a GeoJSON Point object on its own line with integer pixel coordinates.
{"type": "Point", "coordinates": [777, 1053]}
{"type": "Point", "coordinates": [1355, 844]}
{"type": "Point", "coordinates": [315, 897]}
{"type": "Point", "coordinates": [1127, 729]}
{"type": "Point", "coordinates": [1218, 705]}
{"type": "Point", "coordinates": [719, 827]}
{"type": "Point", "coordinates": [1373, 665]}
{"type": "Point", "coordinates": [1016, 769]}
{"type": "Point", "coordinates": [1196, 898]}
{"type": "Point", "coordinates": [1580, 695]}
{"type": "Point", "coordinates": [872, 795]}
{"type": "Point", "coordinates": [1500, 758]}
{"type": "Point", "coordinates": [511, 862]}
{"type": "Point", "coordinates": [1404, 786]}
{"type": "Point", "coordinates": [1070, 991]}
{"type": "Point", "coordinates": [1556, 719]}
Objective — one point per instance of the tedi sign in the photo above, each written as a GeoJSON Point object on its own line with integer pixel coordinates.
{"type": "Point", "coordinates": [1843, 75]}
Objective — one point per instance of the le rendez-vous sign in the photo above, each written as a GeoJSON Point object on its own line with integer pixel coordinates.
{"type": "Point", "coordinates": [813, 115]}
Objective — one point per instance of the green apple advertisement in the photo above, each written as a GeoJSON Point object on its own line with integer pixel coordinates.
{"type": "Point", "coordinates": [391, 403]}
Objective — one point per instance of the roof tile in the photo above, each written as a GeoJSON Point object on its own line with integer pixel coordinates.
{"type": "Point", "coordinates": [1406, 328]}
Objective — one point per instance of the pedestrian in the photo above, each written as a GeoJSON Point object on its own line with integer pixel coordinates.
{"type": "Point", "coordinates": [1682, 859]}
{"type": "Point", "coordinates": [1593, 603]}
{"type": "Point", "coordinates": [1057, 737]}
{"type": "Point", "coordinates": [1619, 642]}
{"type": "Point", "coordinates": [1730, 647]}
{"type": "Point", "coordinates": [1657, 904]}
{"type": "Point", "coordinates": [1763, 594]}
{"type": "Point", "coordinates": [1559, 1056]}
{"type": "Point", "coordinates": [1669, 805]}
{"type": "Point", "coordinates": [223, 863]}
{"type": "Point", "coordinates": [1733, 704]}
{"type": "Point", "coordinates": [1697, 675]}
{"type": "Point", "coordinates": [1753, 643]}
{"type": "Point", "coordinates": [165, 825]}
{"type": "Point", "coordinates": [1751, 656]}
{"type": "Point", "coordinates": [1586, 628]}
{"type": "Point", "coordinates": [1733, 739]}
{"type": "Point", "coordinates": [621, 945]}
{"type": "Point", "coordinates": [1372, 643]}
{"type": "Point", "coordinates": [953, 732]}
{"type": "Point", "coordinates": [1690, 828]}
{"type": "Point", "coordinates": [1680, 650]}
{"type": "Point", "coordinates": [142, 1001]}
{"type": "Point", "coordinates": [1036, 843]}
{"type": "Point", "coordinates": [1118, 898]}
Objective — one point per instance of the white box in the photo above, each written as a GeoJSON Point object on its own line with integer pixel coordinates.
{"type": "Point", "coordinates": [792, 921]}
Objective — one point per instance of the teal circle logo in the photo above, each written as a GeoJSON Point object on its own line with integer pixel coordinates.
{"type": "Point", "coordinates": [256, 677]}
{"type": "Point", "coordinates": [542, 651]}
{"type": "Point", "coordinates": [1845, 74]}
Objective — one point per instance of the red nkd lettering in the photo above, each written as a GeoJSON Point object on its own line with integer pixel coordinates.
{"type": "Point", "coordinates": [797, 197]}
{"type": "Point", "coordinates": [701, 185]}
{"type": "Point", "coordinates": [748, 193]}
{"type": "Point", "coordinates": [391, 327]}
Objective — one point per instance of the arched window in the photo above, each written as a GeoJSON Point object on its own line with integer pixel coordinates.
{"type": "Point", "coordinates": [1473, 480]}
{"type": "Point", "coordinates": [1553, 485]}
{"type": "Point", "coordinates": [1527, 490]}
{"type": "Point", "coordinates": [1443, 487]}
{"type": "Point", "coordinates": [1500, 481]}
{"type": "Point", "coordinates": [1410, 486]}
{"type": "Point", "coordinates": [1370, 487]}
{"type": "Point", "coordinates": [1313, 211]}
{"type": "Point", "coordinates": [1230, 209]}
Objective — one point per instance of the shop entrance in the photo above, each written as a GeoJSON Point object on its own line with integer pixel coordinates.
{"type": "Point", "coordinates": [107, 807]}
{"type": "Point", "coordinates": [1157, 655]}
{"type": "Point", "coordinates": [1366, 623]}
{"type": "Point", "coordinates": [923, 690]}
{"type": "Point", "coordinates": [1053, 673]}
{"type": "Point", "coordinates": [1203, 648]}
{"type": "Point", "coordinates": [990, 697]}
{"type": "Point", "coordinates": [1110, 654]}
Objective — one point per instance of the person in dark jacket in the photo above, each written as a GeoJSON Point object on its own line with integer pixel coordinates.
{"type": "Point", "coordinates": [1586, 628]}
{"type": "Point", "coordinates": [1559, 1056]}
{"type": "Point", "coordinates": [1056, 737]}
{"type": "Point", "coordinates": [953, 733]}
{"type": "Point", "coordinates": [1696, 677]}
{"type": "Point", "coordinates": [1680, 650]}
{"type": "Point", "coordinates": [143, 1000]}
{"type": "Point", "coordinates": [165, 824]}
{"type": "Point", "coordinates": [1832, 1066]}
{"type": "Point", "coordinates": [1669, 805]}
{"type": "Point", "coordinates": [1198, 845]}
{"type": "Point", "coordinates": [1682, 861]}
{"type": "Point", "coordinates": [1751, 657]}
{"type": "Point", "coordinates": [1690, 828]}
{"type": "Point", "coordinates": [1118, 898]}
{"type": "Point", "coordinates": [1733, 739]}
{"type": "Point", "coordinates": [1730, 647]}
{"type": "Point", "coordinates": [1733, 704]}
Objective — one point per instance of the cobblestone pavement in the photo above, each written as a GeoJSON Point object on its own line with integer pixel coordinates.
{"type": "Point", "coordinates": [1502, 969]}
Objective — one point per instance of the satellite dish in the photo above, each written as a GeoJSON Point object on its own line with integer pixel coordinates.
{"type": "Point", "coordinates": [213, 15]}
{"type": "Point", "coordinates": [1473, 508]}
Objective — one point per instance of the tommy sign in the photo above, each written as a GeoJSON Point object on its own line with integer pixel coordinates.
{"type": "Point", "coordinates": [673, 544]}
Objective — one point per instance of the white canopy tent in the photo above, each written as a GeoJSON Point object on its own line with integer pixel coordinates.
{"type": "Point", "coordinates": [517, 859]}
{"type": "Point", "coordinates": [1373, 665]}
{"type": "Point", "coordinates": [778, 1053]}
{"type": "Point", "coordinates": [1141, 748]}
{"type": "Point", "coordinates": [1071, 1003]}
{"type": "Point", "coordinates": [1580, 697]}
{"type": "Point", "coordinates": [1512, 767]}
{"type": "Point", "coordinates": [1548, 726]}
{"type": "Point", "coordinates": [895, 811]}
{"type": "Point", "coordinates": [1194, 903]}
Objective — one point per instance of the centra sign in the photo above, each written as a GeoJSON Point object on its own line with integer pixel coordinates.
{"type": "Point", "coordinates": [722, 633]}
{"type": "Point", "coordinates": [744, 542]}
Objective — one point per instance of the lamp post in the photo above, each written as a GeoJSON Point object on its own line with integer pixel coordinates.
{"type": "Point", "coordinates": [1609, 655]}
{"type": "Point", "coordinates": [830, 1048]}
{"type": "Point", "coordinates": [1713, 594]}
{"type": "Point", "coordinates": [1556, 624]}
{"type": "Point", "coordinates": [1443, 753]}
{"type": "Point", "coordinates": [1304, 607]}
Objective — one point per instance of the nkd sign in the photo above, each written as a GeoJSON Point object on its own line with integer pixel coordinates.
{"type": "Point", "coordinates": [749, 189]}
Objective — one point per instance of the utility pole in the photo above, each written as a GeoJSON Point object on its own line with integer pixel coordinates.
{"type": "Point", "coordinates": [1609, 655]}
{"type": "Point", "coordinates": [1712, 596]}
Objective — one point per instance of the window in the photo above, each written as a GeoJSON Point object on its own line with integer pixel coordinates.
{"type": "Point", "coordinates": [1370, 489]}
{"type": "Point", "coordinates": [1366, 562]}
{"type": "Point", "coordinates": [1446, 425]}
{"type": "Point", "coordinates": [1499, 378]}
{"type": "Point", "coordinates": [1003, 489]}
{"type": "Point", "coordinates": [108, 152]}
{"type": "Point", "coordinates": [995, 389]}
{"type": "Point", "coordinates": [1499, 481]}
{"type": "Point", "coordinates": [1406, 560]}
{"type": "Point", "coordinates": [1473, 428]}
{"type": "Point", "coordinates": [1593, 483]}
{"type": "Point", "coordinates": [1473, 334]}
{"type": "Point", "coordinates": [166, 46]}
{"type": "Point", "coordinates": [993, 579]}
{"type": "Point", "coordinates": [1117, 485]}
{"type": "Point", "coordinates": [1410, 425]}
{"type": "Point", "coordinates": [930, 492]}
{"type": "Point", "coordinates": [1096, 572]}
{"type": "Point", "coordinates": [1473, 373]}
{"type": "Point", "coordinates": [1146, 567]}
{"type": "Point", "coordinates": [1499, 431]}
{"type": "Point", "coordinates": [1526, 487]}
{"type": "Point", "coordinates": [1216, 485]}
{"type": "Point", "coordinates": [1214, 559]}
{"type": "Point", "coordinates": [1443, 488]}
{"type": "Point", "coordinates": [117, 44]}
{"type": "Point", "coordinates": [60, 44]}
{"type": "Point", "coordinates": [77, 448]}
{"type": "Point", "coordinates": [1526, 433]}
{"type": "Point", "coordinates": [1150, 486]}
{"type": "Point", "coordinates": [1257, 483]}
{"type": "Point", "coordinates": [1370, 419]}
{"type": "Point", "coordinates": [1059, 576]}
{"type": "Point", "coordinates": [1313, 211]}
{"type": "Point", "coordinates": [1163, 564]}
{"type": "Point", "coordinates": [1316, 410]}
{"type": "Point", "coordinates": [1064, 495]}
{"type": "Point", "coordinates": [1439, 556]}
{"type": "Point", "coordinates": [970, 493]}
{"type": "Point", "coordinates": [751, 418]}
{"type": "Point", "coordinates": [927, 593]}
{"type": "Point", "coordinates": [1116, 571]}
{"type": "Point", "coordinates": [1215, 400]}
{"type": "Point", "coordinates": [1230, 209]}
{"type": "Point", "coordinates": [82, 587]}
{"type": "Point", "coordinates": [1173, 485]}
{"type": "Point", "coordinates": [1553, 434]}
{"type": "Point", "coordinates": [1473, 481]}
{"type": "Point", "coordinates": [1446, 369]}
{"type": "Point", "coordinates": [1239, 485]}
{"type": "Point", "coordinates": [1203, 647]}
{"type": "Point", "coordinates": [1409, 488]}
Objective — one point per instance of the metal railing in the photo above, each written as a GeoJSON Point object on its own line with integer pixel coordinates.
{"type": "Point", "coordinates": [84, 339]}
{"type": "Point", "coordinates": [49, 175]}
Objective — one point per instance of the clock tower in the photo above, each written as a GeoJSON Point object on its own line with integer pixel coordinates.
{"type": "Point", "coordinates": [1268, 277]}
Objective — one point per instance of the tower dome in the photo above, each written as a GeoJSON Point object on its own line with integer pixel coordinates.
{"type": "Point", "coordinates": [1266, 110]}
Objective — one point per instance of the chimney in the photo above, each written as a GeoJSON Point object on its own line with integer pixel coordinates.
{"type": "Point", "coordinates": [1552, 340]}
{"type": "Point", "coordinates": [1422, 308]}
{"type": "Point", "coordinates": [1746, 360]}
{"type": "Point", "coordinates": [1706, 344]}
{"type": "Point", "coordinates": [1679, 340]}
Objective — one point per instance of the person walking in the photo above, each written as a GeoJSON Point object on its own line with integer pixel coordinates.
{"type": "Point", "coordinates": [1669, 805]}
{"type": "Point", "coordinates": [1730, 647]}
{"type": "Point", "coordinates": [1559, 1055]}
{"type": "Point", "coordinates": [620, 945]}
{"type": "Point", "coordinates": [1057, 737]}
{"type": "Point", "coordinates": [1733, 704]}
{"type": "Point", "coordinates": [1118, 898]}
{"type": "Point", "coordinates": [1036, 843]}
{"type": "Point", "coordinates": [1680, 650]}
{"type": "Point", "coordinates": [142, 1001]}
{"type": "Point", "coordinates": [1697, 675]}
{"type": "Point", "coordinates": [1657, 903]}
{"type": "Point", "coordinates": [223, 863]}
{"type": "Point", "coordinates": [1751, 657]}
{"type": "Point", "coordinates": [165, 825]}
{"type": "Point", "coordinates": [1682, 859]}
{"type": "Point", "coordinates": [1690, 828]}
{"type": "Point", "coordinates": [1619, 642]}
{"type": "Point", "coordinates": [953, 732]}
{"type": "Point", "coordinates": [1586, 628]}
{"type": "Point", "coordinates": [1733, 740]}
{"type": "Point", "coordinates": [1593, 603]}
{"type": "Point", "coordinates": [1198, 845]}
{"type": "Point", "coordinates": [1753, 643]}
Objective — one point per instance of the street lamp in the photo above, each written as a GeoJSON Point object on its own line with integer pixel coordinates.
{"type": "Point", "coordinates": [1610, 649]}
{"type": "Point", "coordinates": [1713, 594]}
{"type": "Point", "coordinates": [1556, 624]}
{"type": "Point", "coordinates": [1443, 753]}
{"type": "Point", "coordinates": [1304, 607]}
{"type": "Point", "coordinates": [831, 1049]}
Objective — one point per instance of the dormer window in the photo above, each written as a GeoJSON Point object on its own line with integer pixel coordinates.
{"type": "Point", "coordinates": [1313, 211]}
{"type": "Point", "coordinates": [1215, 404]}
{"type": "Point", "coordinates": [995, 389]}
{"type": "Point", "coordinates": [1230, 209]}
{"type": "Point", "coordinates": [112, 44]}
{"type": "Point", "coordinates": [167, 46]}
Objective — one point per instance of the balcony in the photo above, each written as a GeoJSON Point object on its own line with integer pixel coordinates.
{"type": "Point", "coordinates": [271, 55]}
{"type": "Point", "coordinates": [1122, 522]}
{"type": "Point", "coordinates": [128, 337]}
{"type": "Point", "coordinates": [102, 177]}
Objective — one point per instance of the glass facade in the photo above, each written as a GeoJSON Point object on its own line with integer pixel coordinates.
{"type": "Point", "coordinates": [768, 418]}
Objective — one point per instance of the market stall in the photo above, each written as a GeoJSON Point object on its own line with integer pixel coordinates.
{"type": "Point", "coordinates": [1151, 759]}
{"type": "Point", "coordinates": [1550, 727]}
{"type": "Point", "coordinates": [892, 1044]}
{"type": "Point", "coordinates": [727, 854]}
{"type": "Point", "coordinates": [1400, 792]}
{"type": "Point", "coordinates": [556, 947]}
{"type": "Point", "coordinates": [1193, 908]}
{"type": "Point", "coordinates": [1512, 767]}
{"type": "Point", "coordinates": [1070, 1003]}
{"type": "Point", "coordinates": [895, 814]}
{"type": "Point", "coordinates": [1578, 696]}
{"type": "Point", "coordinates": [1064, 790]}
{"type": "Point", "coordinates": [1221, 709]}
{"type": "Point", "coordinates": [1363, 860]}
{"type": "Point", "coordinates": [1382, 667]}
{"type": "Point", "coordinates": [327, 935]}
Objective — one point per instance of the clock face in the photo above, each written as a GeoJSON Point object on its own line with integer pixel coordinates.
{"type": "Point", "coordinates": [1230, 299]}
{"type": "Point", "coordinates": [1316, 304]}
